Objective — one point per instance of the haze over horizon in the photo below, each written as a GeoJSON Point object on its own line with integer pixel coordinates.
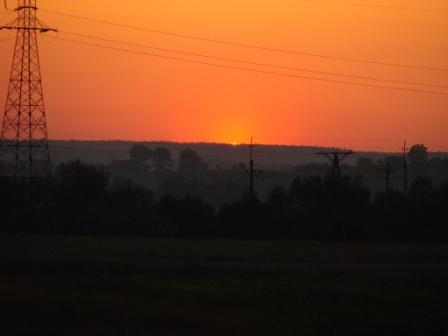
{"type": "Point", "coordinates": [93, 92]}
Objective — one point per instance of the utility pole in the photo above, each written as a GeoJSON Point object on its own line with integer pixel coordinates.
{"type": "Point", "coordinates": [387, 176]}
{"type": "Point", "coordinates": [252, 172]}
{"type": "Point", "coordinates": [336, 157]}
{"type": "Point", "coordinates": [405, 168]}
{"type": "Point", "coordinates": [385, 172]}
{"type": "Point", "coordinates": [251, 169]}
{"type": "Point", "coordinates": [24, 152]}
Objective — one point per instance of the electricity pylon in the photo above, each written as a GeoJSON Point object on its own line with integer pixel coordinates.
{"type": "Point", "coordinates": [336, 157]}
{"type": "Point", "coordinates": [24, 152]}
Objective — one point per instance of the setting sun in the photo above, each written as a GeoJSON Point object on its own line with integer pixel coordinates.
{"type": "Point", "coordinates": [203, 167]}
{"type": "Point", "coordinates": [280, 71]}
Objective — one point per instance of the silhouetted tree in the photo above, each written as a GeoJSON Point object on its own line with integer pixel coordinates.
{"type": "Point", "coordinates": [418, 159]}
{"type": "Point", "coordinates": [162, 158]}
{"type": "Point", "coordinates": [80, 196]}
{"type": "Point", "coordinates": [280, 213]}
{"type": "Point", "coordinates": [7, 203]}
{"type": "Point", "coordinates": [185, 217]}
{"type": "Point", "coordinates": [438, 167]}
{"type": "Point", "coordinates": [190, 162]}
{"type": "Point", "coordinates": [278, 197]}
{"type": "Point", "coordinates": [173, 185]}
{"type": "Point", "coordinates": [130, 208]}
{"type": "Point", "coordinates": [246, 219]}
{"type": "Point", "coordinates": [140, 153]}
{"type": "Point", "coordinates": [197, 218]}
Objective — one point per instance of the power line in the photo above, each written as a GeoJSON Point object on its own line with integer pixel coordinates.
{"type": "Point", "coordinates": [250, 46]}
{"type": "Point", "coordinates": [256, 70]}
{"type": "Point", "coordinates": [253, 63]}
{"type": "Point", "coordinates": [357, 4]}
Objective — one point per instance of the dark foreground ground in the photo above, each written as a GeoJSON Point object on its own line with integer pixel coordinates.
{"type": "Point", "coordinates": [113, 286]}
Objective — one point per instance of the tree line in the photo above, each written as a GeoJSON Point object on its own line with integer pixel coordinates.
{"type": "Point", "coordinates": [188, 174]}
{"type": "Point", "coordinates": [189, 161]}
{"type": "Point", "coordinates": [83, 199]}
{"type": "Point", "coordinates": [160, 159]}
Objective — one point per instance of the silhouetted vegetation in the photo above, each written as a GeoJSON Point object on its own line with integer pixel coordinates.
{"type": "Point", "coordinates": [191, 170]}
{"type": "Point", "coordinates": [190, 163]}
{"type": "Point", "coordinates": [83, 199]}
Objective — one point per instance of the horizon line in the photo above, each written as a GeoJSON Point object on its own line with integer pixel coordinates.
{"type": "Point", "coordinates": [236, 145]}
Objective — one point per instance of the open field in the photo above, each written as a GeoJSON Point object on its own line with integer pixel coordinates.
{"type": "Point", "coordinates": [129, 286]}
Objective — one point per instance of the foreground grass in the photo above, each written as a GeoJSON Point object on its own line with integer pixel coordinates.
{"type": "Point", "coordinates": [113, 286]}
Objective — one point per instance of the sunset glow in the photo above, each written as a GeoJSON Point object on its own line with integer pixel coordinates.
{"type": "Point", "coordinates": [98, 93]}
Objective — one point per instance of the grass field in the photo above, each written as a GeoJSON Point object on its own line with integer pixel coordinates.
{"type": "Point", "coordinates": [114, 286]}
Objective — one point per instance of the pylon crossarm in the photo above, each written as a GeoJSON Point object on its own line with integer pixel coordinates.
{"type": "Point", "coordinates": [26, 7]}
{"type": "Point", "coordinates": [42, 30]}
{"type": "Point", "coordinates": [40, 26]}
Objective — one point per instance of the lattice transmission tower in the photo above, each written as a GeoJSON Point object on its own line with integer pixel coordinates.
{"type": "Point", "coordinates": [24, 152]}
{"type": "Point", "coordinates": [336, 157]}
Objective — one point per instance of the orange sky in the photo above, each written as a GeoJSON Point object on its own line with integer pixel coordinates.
{"type": "Point", "coordinates": [104, 94]}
